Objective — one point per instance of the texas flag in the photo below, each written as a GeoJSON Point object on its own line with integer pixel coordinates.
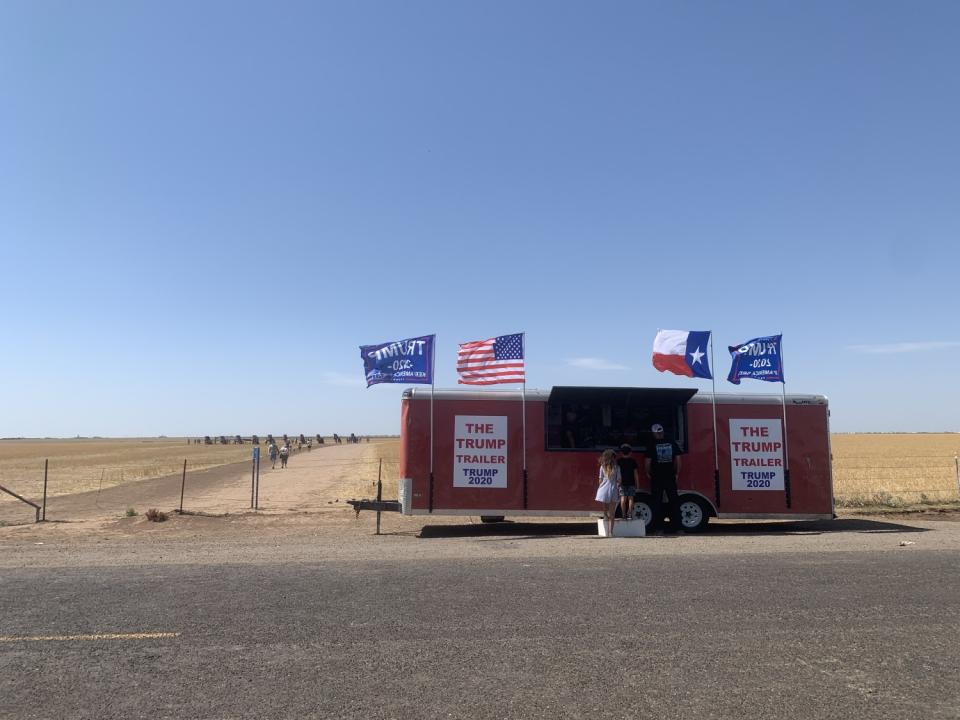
{"type": "Point", "coordinates": [682, 352]}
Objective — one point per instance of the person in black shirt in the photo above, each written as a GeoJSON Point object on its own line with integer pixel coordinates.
{"type": "Point", "coordinates": [663, 467]}
{"type": "Point", "coordinates": [629, 475]}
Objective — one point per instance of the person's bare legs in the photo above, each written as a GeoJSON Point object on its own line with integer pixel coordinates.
{"type": "Point", "coordinates": [624, 503]}
{"type": "Point", "coordinates": [612, 511]}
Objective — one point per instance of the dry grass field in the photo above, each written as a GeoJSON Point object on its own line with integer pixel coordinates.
{"type": "Point", "coordinates": [869, 470]}
{"type": "Point", "coordinates": [895, 470]}
{"type": "Point", "coordinates": [79, 465]}
{"type": "Point", "coordinates": [359, 479]}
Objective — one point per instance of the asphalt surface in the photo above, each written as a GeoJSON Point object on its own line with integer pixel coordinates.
{"type": "Point", "coordinates": [850, 633]}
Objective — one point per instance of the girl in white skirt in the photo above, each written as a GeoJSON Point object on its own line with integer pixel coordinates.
{"type": "Point", "coordinates": [608, 491]}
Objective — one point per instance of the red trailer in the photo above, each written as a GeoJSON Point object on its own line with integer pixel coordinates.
{"type": "Point", "coordinates": [465, 452]}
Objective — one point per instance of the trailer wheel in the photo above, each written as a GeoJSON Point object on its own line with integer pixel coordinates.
{"type": "Point", "coordinates": [694, 513]}
{"type": "Point", "coordinates": [643, 508]}
{"type": "Point", "coordinates": [491, 518]}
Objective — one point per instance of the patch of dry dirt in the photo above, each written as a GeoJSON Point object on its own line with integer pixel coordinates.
{"type": "Point", "coordinates": [319, 480]}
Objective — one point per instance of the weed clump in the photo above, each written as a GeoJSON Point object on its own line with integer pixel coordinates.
{"type": "Point", "coordinates": [131, 512]}
{"type": "Point", "coordinates": [154, 515]}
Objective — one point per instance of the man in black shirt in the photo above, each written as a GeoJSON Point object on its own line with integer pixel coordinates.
{"type": "Point", "coordinates": [629, 474]}
{"type": "Point", "coordinates": [663, 467]}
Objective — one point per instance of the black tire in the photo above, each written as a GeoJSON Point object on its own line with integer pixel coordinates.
{"type": "Point", "coordinates": [694, 513]}
{"type": "Point", "coordinates": [491, 518]}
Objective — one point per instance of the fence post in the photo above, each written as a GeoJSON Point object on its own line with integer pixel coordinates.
{"type": "Point", "coordinates": [23, 499]}
{"type": "Point", "coordinates": [183, 482]}
{"type": "Point", "coordinates": [46, 467]}
{"type": "Point", "coordinates": [379, 492]}
{"type": "Point", "coordinates": [956, 464]}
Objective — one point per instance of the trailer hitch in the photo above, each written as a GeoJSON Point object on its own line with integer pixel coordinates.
{"type": "Point", "coordinates": [378, 505]}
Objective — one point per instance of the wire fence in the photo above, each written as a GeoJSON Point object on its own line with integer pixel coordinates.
{"type": "Point", "coordinates": [893, 481]}
{"type": "Point", "coordinates": [118, 491]}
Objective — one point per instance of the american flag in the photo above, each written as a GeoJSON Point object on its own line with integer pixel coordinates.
{"type": "Point", "coordinates": [491, 362]}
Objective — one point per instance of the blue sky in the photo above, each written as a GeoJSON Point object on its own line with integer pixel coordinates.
{"type": "Point", "coordinates": [205, 208]}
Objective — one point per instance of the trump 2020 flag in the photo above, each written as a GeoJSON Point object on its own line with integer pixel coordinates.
{"type": "Point", "coordinates": [682, 352]}
{"type": "Point", "coordinates": [491, 362]}
{"type": "Point", "coordinates": [400, 361]}
{"type": "Point", "coordinates": [757, 359]}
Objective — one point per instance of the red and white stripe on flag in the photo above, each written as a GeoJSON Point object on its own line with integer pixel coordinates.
{"type": "Point", "coordinates": [669, 352]}
{"type": "Point", "coordinates": [491, 362]}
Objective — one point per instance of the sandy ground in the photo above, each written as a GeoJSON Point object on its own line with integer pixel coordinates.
{"type": "Point", "coordinates": [318, 480]}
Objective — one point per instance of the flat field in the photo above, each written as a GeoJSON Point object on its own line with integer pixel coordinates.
{"type": "Point", "coordinates": [106, 478]}
{"type": "Point", "coordinates": [869, 469]}
{"type": "Point", "coordinates": [895, 469]}
{"type": "Point", "coordinates": [80, 465]}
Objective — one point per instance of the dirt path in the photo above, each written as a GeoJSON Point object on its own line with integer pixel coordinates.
{"type": "Point", "coordinates": [316, 480]}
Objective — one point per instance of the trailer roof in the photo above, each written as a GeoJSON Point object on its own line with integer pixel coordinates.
{"type": "Point", "coordinates": [423, 393]}
{"type": "Point", "coordinates": [650, 396]}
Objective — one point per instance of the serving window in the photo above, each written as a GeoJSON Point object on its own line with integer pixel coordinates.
{"type": "Point", "coordinates": [586, 418]}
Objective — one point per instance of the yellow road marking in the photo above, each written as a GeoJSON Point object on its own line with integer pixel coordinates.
{"type": "Point", "coordinates": [97, 636]}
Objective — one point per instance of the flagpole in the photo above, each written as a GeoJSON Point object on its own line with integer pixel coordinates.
{"type": "Point", "coordinates": [786, 448]}
{"type": "Point", "coordinates": [523, 350]}
{"type": "Point", "coordinates": [716, 449]}
{"type": "Point", "coordinates": [433, 356]}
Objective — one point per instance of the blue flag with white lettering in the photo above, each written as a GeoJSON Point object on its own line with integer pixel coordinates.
{"type": "Point", "coordinates": [400, 361]}
{"type": "Point", "coordinates": [757, 359]}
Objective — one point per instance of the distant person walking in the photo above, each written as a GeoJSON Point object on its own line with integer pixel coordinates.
{"type": "Point", "coordinates": [608, 490]}
{"type": "Point", "coordinates": [284, 454]}
{"type": "Point", "coordinates": [272, 451]}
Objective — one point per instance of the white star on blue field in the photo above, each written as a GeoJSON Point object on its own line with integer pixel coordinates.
{"type": "Point", "coordinates": [508, 347]}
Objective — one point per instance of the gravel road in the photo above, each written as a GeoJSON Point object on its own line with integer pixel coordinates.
{"type": "Point", "coordinates": [307, 615]}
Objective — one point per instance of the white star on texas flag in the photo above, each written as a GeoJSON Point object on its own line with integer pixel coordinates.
{"type": "Point", "coordinates": [696, 355]}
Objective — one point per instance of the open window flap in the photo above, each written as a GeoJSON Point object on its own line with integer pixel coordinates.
{"type": "Point", "coordinates": [616, 396]}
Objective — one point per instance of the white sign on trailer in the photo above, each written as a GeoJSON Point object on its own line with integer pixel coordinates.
{"type": "Point", "coordinates": [480, 451]}
{"type": "Point", "coordinates": [756, 454]}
